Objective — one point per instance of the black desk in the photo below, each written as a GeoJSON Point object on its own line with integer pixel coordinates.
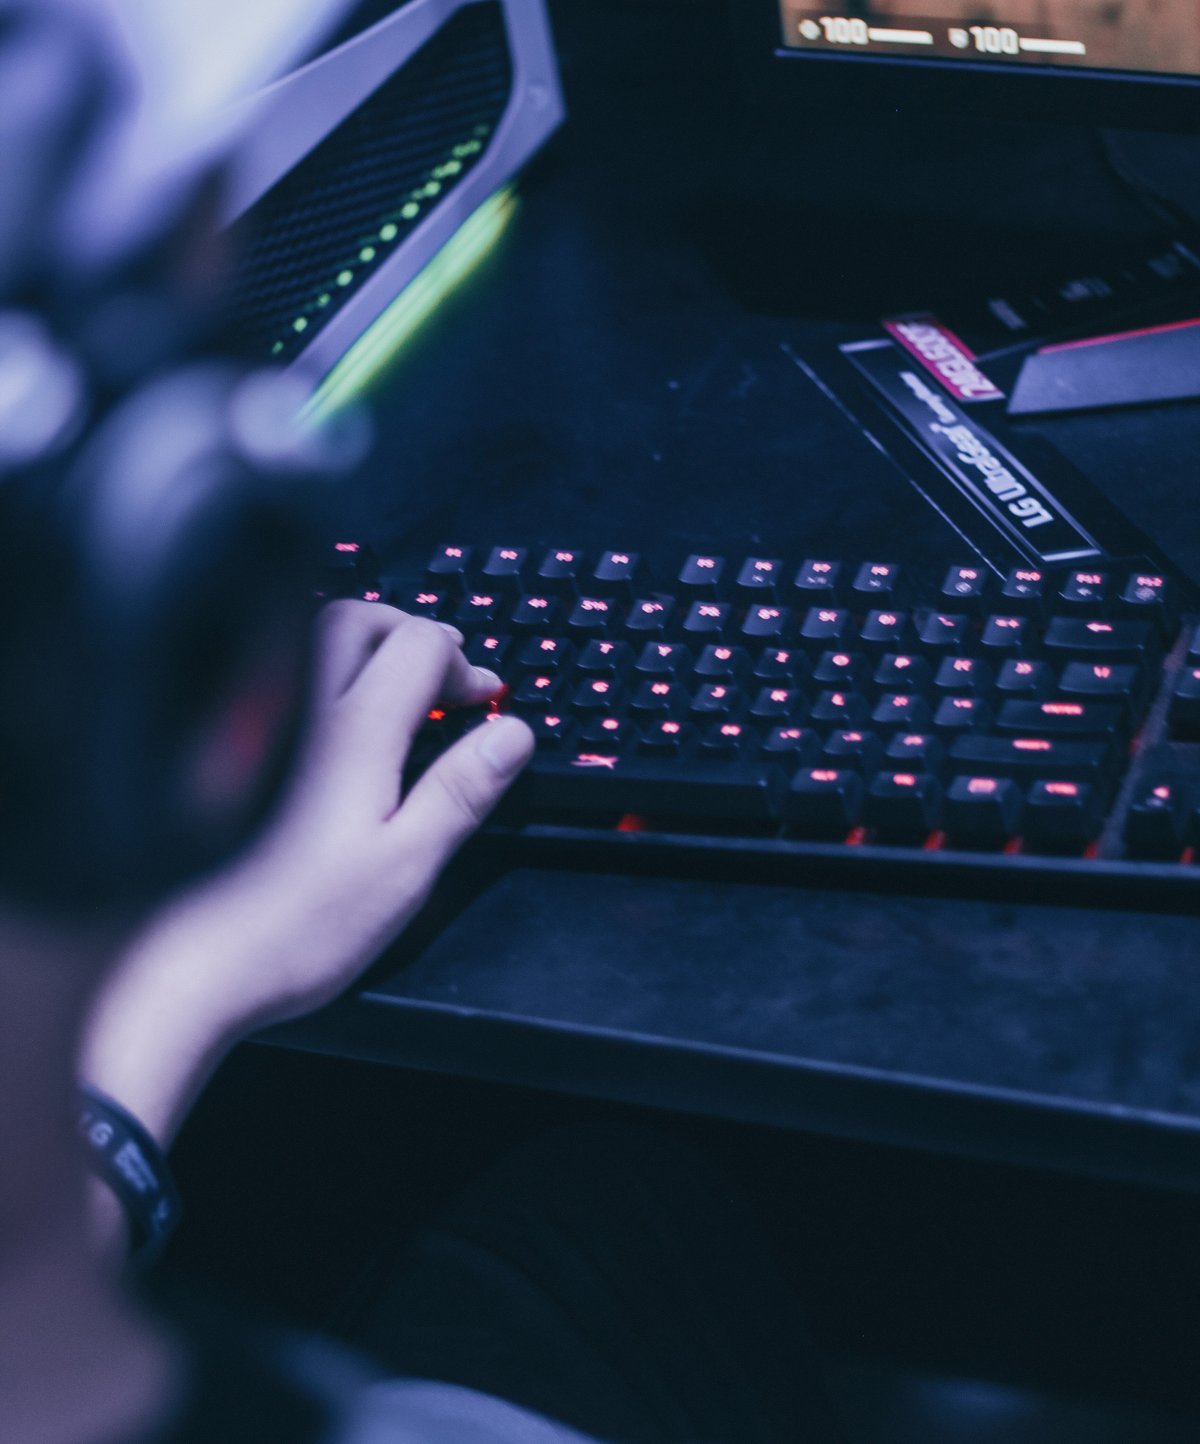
{"type": "Point", "coordinates": [614, 374]}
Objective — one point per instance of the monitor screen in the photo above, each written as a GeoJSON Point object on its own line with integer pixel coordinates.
{"type": "Point", "coordinates": [1140, 36]}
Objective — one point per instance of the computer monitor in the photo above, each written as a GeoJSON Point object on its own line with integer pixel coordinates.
{"type": "Point", "coordinates": [1133, 63]}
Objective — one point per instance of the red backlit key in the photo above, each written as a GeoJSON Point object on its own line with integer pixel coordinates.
{"type": "Point", "coordinates": [664, 738]}
{"type": "Point", "coordinates": [723, 741]}
{"type": "Point", "coordinates": [884, 631]}
{"type": "Point", "coordinates": [706, 621]}
{"type": "Point", "coordinates": [777, 704]}
{"type": "Point", "coordinates": [605, 732]}
{"type": "Point", "coordinates": [1156, 824]}
{"type": "Point", "coordinates": [713, 700]}
{"type": "Point", "coordinates": [963, 674]}
{"type": "Point", "coordinates": [901, 672]}
{"type": "Point", "coordinates": [1006, 636]}
{"type": "Point", "coordinates": [759, 577]}
{"type": "Point", "coordinates": [853, 748]}
{"type": "Point", "coordinates": [595, 694]}
{"type": "Point", "coordinates": [842, 670]}
{"type": "Point", "coordinates": [504, 569]}
{"type": "Point", "coordinates": [825, 627]}
{"type": "Point", "coordinates": [1061, 815]}
{"type": "Point", "coordinates": [782, 665]}
{"type": "Point", "coordinates": [877, 584]}
{"type": "Point", "coordinates": [616, 574]}
{"type": "Point", "coordinates": [602, 657]}
{"type": "Point", "coordinates": [798, 745]}
{"type": "Point", "coordinates": [1024, 591]}
{"type": "Point", "coordinates": [649, 617]}
{"type": "Point", "coordinates": [1068, 637]}
{"type": "Point", "coordinates": [722, 663]}
{"type": "Point", "coordinates": [823, 801]}
{"type": "Point", "coordinates": [1083, 593]}
{"type": "Point", "coordinates": [664, 659]}
{"type": "Point", "coordinates": [903, 804]}
{"type": "Point", "coordinates": [421, 602]}
{"type": "Point", "coordinates": [1062, 718]}
{"type": "Point", "coordinates": [901, 710]}
{"type": "Point", "coordinates": [962, 714]}
{"type": "Point", "coordinates": [534, 614]}
{"type": "Point", "coordinates": [1030, 757]}
{"type": "Point", "coordinates": [1102, 682]}
{"type": "Point", "coordinates": [943, 633]}
{"type": "Point", "coordinates": [834, 708]}
{"type": "Point", "coordinates": [538, 692]}
{"type": "Point", "coordinates": [982, 811]}
{"type": "Point", "coordinates": [545, 654]}
{"type": "Point", "coordinates": [1024, 678]}
{"type": "Point", "coordinates": [964, 589]}
{"type": "Point", "coordinates": [558, 571]}
{"type": "Point", "coordinates": [700, 576]}
{"type": "Point", "coordinates": [658, 697]}
{"type": "Point", "coordinates": [817, 582]}
{"type": "Point", "coordinates": [592, 617]}
{"type": "Point", "coordinates": [1148, 594]}
{"type": "Point", "coordinates": [485, 649]}
{"type": "Point", "coordinates": [766, 623]}
{"type": "Point", "coordinates": [478, 609]}
{"type": "Point", "coordinates": [916, 752]}
{"type": "Point", "coordinates": [447, 568]}
{"type": "Point", "coordinates": [550, 728]}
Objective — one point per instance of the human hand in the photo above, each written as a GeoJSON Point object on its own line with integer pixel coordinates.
{"type": "Point", "coordinates": [340, 871]}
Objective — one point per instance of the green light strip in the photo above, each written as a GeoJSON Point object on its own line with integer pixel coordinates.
{"type": "Point", "coordinates": [379, 345]}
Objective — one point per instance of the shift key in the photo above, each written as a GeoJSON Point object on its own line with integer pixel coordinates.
{"type": "Point", "coordinates": [1030, 757]}
{"type": "Point", "coordinates": [606, 782]}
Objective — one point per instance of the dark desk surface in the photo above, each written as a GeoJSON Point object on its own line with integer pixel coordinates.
{"type": "Point", "coordinates": [614, 374]}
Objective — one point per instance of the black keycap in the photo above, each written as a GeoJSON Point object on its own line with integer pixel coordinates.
{"type": "Point", "coordinates": [1024, 678]}
{"type": "Point", "coordinates": [1148, 594]}
{"type": "Point", "coordinates": [700, 576]}
{"type": "Point", "coordinates": [903, 804]}
{"type": "Point", "coordinates": [602, 657]}
{"type": "Point", "coordinates": [759, 577]}
{"type": "Point", "coordinates": [877, 583]}
{"type": "Point", "coordinates": [825, 627]}
{"type": "Point", "coordinates": [649, 617]}
{"type": "Point", "coordinates": [723, 741]}
{"type": "Point", "coordinates": [658, 697]}
{"type": "Point", "coordinates": [447, 568]}
{"type": "Point", "coordinates": [478, 609]}
{"type": "Point", "coordinates": [537, 692]}
{"type": "Point", "coordinates": [901, 672]}
{"type": "Point", "coordinates": [1060, 718]}
{"type": "Point", "coordinates": [838, 709]}
{"type": "Point", "coordinates": [823, 801]}
{"type": "Point", "coordinates": [943, 633]}
{"type": "Point", "coordinates": [504, 568]}
{"type": "Point", "coordinates": [605, 782]}
{"type": "Point", "coordinates": [605, 731]}
{"type": "Point", "coordinates": [781, 664]}
{"type": "Point", "coordinates": [850, 747]}
{"type": "Point", "coordinates": [346, 567]}
{"type": "Point", "coordinates": [982, 811]}
{"type": "Point", "coordinates": [592, 617]}
{"type": "Point", "coordinates": [1101, 681]}
{"type": "Point", "coordinates": [486, 649]}
{"type": "Point", "coordinates": [559, 571]}
{"type": "Point", "coordinates": [722, 663]}
{"type": "Point", "coordinates": [844, 670]}
{"type": "Point", "coordinates": [1083, 593]}
{"type": "Point", "coordinates": [595, 694]}
{"type": "Point", "coordinates": [916, 752]}
{"type": "Point", "coordinates": [798, 745]}
{"type": "Point", "coordinates": [777, 705]}
{"type": "Point", "coordinates": [534, 614]}
{"type": "Point", "coordinates": [766, 623]}
{"type": "Point", "coordinates": [1024, 591]}
{"type": "Point", "coordinates": [716, 700]}
{"type": "Point", "coordinates": [664, 659]}
{"type": "Point", "coordinates": [1030, 757]}
{"type": "Point", "coordinates": [1005, 636]}
{"type": "Point", "coordinates": [963, 674]}
{"type": "Point", "coordinates": [964, 589]}
{"type": "Point", "coordinates": [1068, 637]}
{"type": "Point", "coordinates": [664, 738]}
{"type": "Point", "coordinates": [817, 582]}
{"type": "Point", "coordinates": [545, 654]}
{"type": "Point", "coordinates": [550, 728]}
{"type": "Point", "coordinates": [706, 621]}
{"type": "Point", "coordinates": [1184, 714]}
{"type": "Point", "coordinates": [907, 711]}
{"type": "Point", "coordinates": [421, 602]}
{"type": "Point", "coordinates": [616, 574]}
{"type": "Point", "coordinates": [962, 714]}
{"type": "Point", "coordinates": [884, 631]}
{"type": "Point", "coordinates": [1157, 820]}
{"type": "Point", "coordinates": [1061, 815]}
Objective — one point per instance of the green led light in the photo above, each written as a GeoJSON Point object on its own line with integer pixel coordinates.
{"type": "Point", "coordinates": [277, 348]}
{"type": "Point", "coordinates": [481, 130]}
{"type": "Point", "coordinates": [389, 232]}
{"type": "Point", "coordinates": [410, 211]}
{"type": "Point", "coordinates": [383, 341]}
{"type": "Point", "coordinates": [345, 278]}
{"type": "Point", "coordinates": [367, 254]}
{"type": "Point", "coordinates": [324, 299]}
{"type": "Point", "coordinates": [432, 189]}
{"type": "Point", "coordinates": [452, 167]}
{"type": "Point", "coordinates": [299, 324]}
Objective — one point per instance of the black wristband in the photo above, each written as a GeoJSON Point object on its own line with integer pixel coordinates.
{"type": "Point", "coordinates": [122, 1153]}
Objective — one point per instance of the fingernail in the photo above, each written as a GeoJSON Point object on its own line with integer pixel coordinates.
{"type": "Point", "coordinates": [505, 745]}
{"type": "Point", "coordinates": [487, 679]}
{"type": "Point", "coordinates": [454, 632]}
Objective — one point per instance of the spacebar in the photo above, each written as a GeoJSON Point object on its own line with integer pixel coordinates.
{"type": "Point", "coordinates": [594, 783]}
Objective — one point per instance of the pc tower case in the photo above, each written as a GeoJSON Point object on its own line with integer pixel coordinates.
{"type": "Point", "coordinates": [363, 163]}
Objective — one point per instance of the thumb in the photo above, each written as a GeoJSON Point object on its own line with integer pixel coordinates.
{"type": "Point", "coordinates": [452, 799]}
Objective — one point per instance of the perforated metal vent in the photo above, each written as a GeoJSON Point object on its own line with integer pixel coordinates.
{"type": "Point", "coordinates": [326, 227]}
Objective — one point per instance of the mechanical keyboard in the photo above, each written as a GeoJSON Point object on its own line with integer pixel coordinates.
{"type": "Point", "coordinates": [864, 722]}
